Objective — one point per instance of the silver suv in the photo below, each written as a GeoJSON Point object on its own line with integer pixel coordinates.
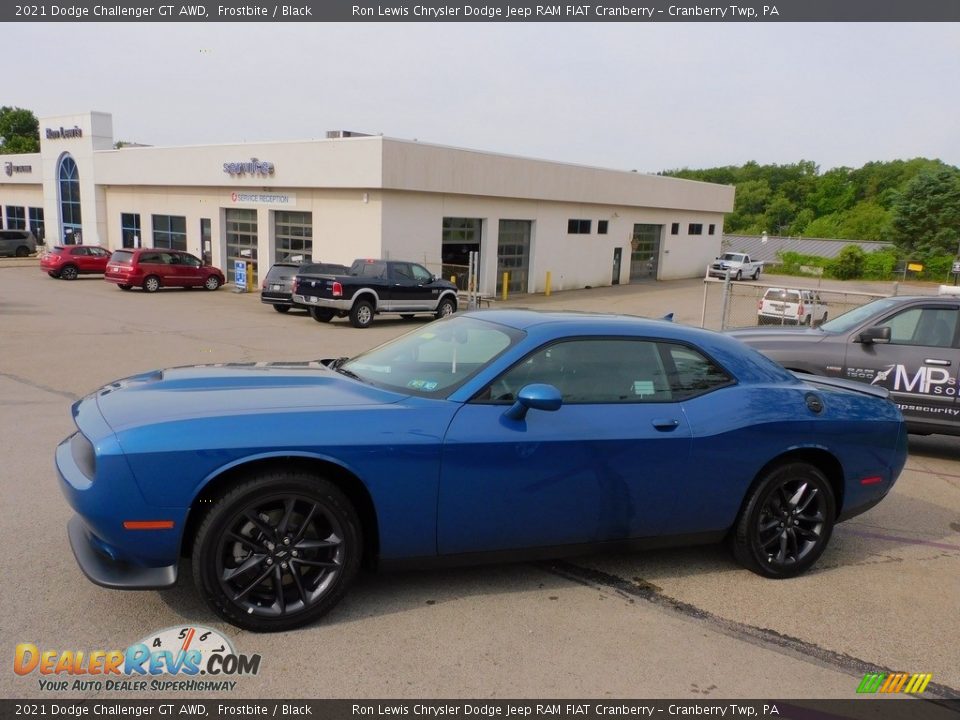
{"type": "Point", "coordinates": [17, 242]}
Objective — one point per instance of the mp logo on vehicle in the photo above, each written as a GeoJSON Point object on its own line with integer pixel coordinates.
{"type": "Point", "coordinates": [926, 381]}
{"type": "Point", "coordinates": [177, 652]}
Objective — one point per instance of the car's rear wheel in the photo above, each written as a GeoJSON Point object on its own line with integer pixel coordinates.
{"type": "Point", "coordinates": [281, 308]}
{"type": "Point", "coordinates": [211, 283]}
{"type": "Point", "coordinates": [756, 274]}
{"type": "Point", "coordinates": [151, 284]}
{"type": "Point", "coordinates": [321, 315]}
{"type": "Point", "coordinates": [69, 272]}
{"type": "Point", "coordinates": [361, 314]}
{"type": "Point", "coordinates": [124, 287]}
{"type": "Point", "coordinates": [446, 307]}
{"type": "Point", "coordinates": [786, 522]}
{"type": "Point", "coordinates": [277, 551]}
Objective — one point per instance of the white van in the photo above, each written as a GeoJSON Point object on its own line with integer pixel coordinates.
{"type": "Point", "coordinates": [788, 306]}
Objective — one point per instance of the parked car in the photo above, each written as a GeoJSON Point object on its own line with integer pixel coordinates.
{"type": "Point", "coordinates": [68, 262]}
{"type": "Point", "coordinates": [19, 243]}
{"type": "Point", "coordinates": [154, 268]}
{"type": "Point", "coordinates": [277, 286]}
{"type": "Point", "coordinates": [905, 344]}
{"type": "Point", "coordinates": [373, 287]}
{"type": "Point", "coordinates": [738, 265]}
{"type": "Point", "coordinates": [480, 436]}
{"type": "Point", "coordinates": [791, 306]}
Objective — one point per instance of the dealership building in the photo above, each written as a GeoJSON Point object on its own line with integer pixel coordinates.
{"type": "Point", "coordinates": [350, 195]}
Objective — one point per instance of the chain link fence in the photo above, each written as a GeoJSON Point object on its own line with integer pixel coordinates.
{"type": "Point", "coordinates": [728, 305]}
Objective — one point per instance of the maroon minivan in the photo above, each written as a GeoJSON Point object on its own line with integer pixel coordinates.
{"type": "Point", "coordinates": [154, 268]}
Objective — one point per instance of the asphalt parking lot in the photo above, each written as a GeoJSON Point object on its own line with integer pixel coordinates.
{"type": "Point", "coordinates": [686, 623]}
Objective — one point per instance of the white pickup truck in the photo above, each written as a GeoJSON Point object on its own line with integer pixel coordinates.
{"type": "Point", "coordinates": [739, 265]}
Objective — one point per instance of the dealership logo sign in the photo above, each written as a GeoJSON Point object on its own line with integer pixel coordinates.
{"type": "Point", "coordinates": [894, 683]}
{"type": "Point", "coordinates": [9, 168]}
{"type": "Point", "coordinates": [63, 133]}
{"type": "Point", "coordinates": [254, 167]}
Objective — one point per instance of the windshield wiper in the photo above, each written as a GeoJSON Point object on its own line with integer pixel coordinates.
{"type": "Point", "coordinates": [334, 364]}
{"type": "Point", "coordinates": [350, 374]}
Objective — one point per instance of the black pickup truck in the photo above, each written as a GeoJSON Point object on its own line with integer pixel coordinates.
{"type": "Point", "coordinates": [373, 287]}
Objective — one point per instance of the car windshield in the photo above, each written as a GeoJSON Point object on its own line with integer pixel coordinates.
{"type": "Point", "coordinates": [855, 317]}
{"type": "Point", "coordinates": [433, 360]}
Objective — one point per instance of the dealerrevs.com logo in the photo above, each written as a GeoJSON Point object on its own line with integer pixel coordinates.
{"type": "Point", "coordinates": [187, 659]}
{"type": "Point", "coordinates": [912, 683]}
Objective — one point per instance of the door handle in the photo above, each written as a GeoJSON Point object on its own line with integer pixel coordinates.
{"type": "Point", "coordinates": [932, 361]}
{"type": "Point", "coordinates": [665, 424]}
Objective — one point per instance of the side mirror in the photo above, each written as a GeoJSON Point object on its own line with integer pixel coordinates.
{"type": "Point", "coordinates": [537, 396]}
{"type": "Point", "coordinates": [876, 334]}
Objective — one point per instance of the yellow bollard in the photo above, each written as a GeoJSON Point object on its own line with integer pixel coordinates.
{"type": "Point", "coordinates": [547, 293]}
{"type": "Point", "coordinates": [506, 281]}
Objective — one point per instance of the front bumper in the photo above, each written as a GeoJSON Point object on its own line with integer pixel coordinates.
{"type": "Point", "coordinates": [101, 569]}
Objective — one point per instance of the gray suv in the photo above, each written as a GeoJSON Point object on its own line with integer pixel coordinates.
{"type": "Point", "coordinates": [17, 242]}
{"type": "Point", "coordinates": [908, 345]}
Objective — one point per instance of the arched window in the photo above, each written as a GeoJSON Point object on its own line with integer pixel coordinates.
{"type": "Point", "coordinates": [70, 220]}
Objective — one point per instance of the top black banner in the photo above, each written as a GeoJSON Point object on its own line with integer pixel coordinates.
{"type": "Point", "coordinates": [639, 11]}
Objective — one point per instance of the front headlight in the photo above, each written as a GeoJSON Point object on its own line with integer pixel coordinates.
{"type": "Point", "coordinates": [83, 455]}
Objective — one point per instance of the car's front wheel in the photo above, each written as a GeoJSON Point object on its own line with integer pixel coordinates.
{"type": "Point", "coordinates": [281, 308]}
{"type": "Point", "coordinates": [211, 283]}
{"type": "Point", "coordinates": [446, 307]}
{"type": "Point", "coordinates": [786, 521]}
{"type": "Point", "coordinates": [739, 275]}
{"type": "Point", "coordinates": [277, 551]}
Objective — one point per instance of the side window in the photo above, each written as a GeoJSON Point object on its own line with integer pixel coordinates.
{"type": "Point", "coordinates": [192, 261]}
{"type": "Point", "coordinates": [150, 259]}
{"type": "Point", "coordinates": [590, 371]}
{"type": "Point", "coordinates": [421, 274]}
{"type": "Point", "coordinates": [693, 374]}
{"type": "Point", "coordinates": [401, 272]}
{"type": "Point", "coordinates": [81, 251]}
{"type": "Point", "coordinates": [931, 327]}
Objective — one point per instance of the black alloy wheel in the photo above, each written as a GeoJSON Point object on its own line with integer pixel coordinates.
{"type": "Point", "coordinates": [23, 251]}
{"type": "Point", "coordinates": [277, 552]}
{"type": "Point", "coordinates": [69, 272]}
{"type": "Point", "coordinates": [786, 523]}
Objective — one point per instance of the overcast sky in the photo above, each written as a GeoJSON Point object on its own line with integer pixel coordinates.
{"type": "Point", "coordinates": [645, 96]}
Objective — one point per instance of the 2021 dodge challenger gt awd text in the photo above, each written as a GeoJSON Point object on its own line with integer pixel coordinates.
{"type": "Point", "coordinates": [497, 434]}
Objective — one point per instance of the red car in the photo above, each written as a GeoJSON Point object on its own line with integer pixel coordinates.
{"type": "Point", "coordinates": [154, 268]}
{"type": "Point", "coordinates": [69, 261]}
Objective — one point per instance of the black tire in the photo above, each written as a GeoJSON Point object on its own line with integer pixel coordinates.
{"type": "Point", "coordinates": [151, 284]}
{"type": "Point", "coordinates": [211, 283]}
{"type": "Point", "coordinates": [739, 275]}
{"type": "Point", "coordinates": [124, 287]}
{"type": "Point", "coordinates": [361, 314]}
{"type": "Point", "coordinates": [69, 272]}
{"type": "Point", "coordinates": [756, 274]}
{"type": "Point", "coordinates": [407, 316]}
{"type": "Point", "coordinates": [277, 551]}
{"type": "Point", "coordinates": [53, 274]}
{"type": "Point", "coordinates": [282, 308]}
{"type": "Point", "coordinates": [446, 307]}
{"type": "Point", "coordinates": [786, 522]}
{"type": "Point", "coordinates": [808, 320]}
{"type": "Point", "coordinates": [23, 251]}
{"type": "Point", "coordinates": [321, 315]}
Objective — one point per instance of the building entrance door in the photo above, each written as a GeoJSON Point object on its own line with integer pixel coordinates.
{"type": "Point", "coordinates": [241, 226]}
{"type": "Point", "coordinates": [645, 252]}
{"type": "Point", "coordinates": [617, 254]}
{"type": "Point", "coordinates": [513, 255]}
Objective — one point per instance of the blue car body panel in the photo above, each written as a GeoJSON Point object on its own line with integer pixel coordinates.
{"type": "Point", "coordinates": [453, 476]}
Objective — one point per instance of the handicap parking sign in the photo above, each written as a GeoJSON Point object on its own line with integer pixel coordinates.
{"type": "Point", "coordinates": [240, 270]}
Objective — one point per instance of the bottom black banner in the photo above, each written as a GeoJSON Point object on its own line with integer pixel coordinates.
{"type": "Point", "coordinates": [888, 708]}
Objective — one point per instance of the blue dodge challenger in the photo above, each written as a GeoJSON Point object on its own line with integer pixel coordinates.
{"type": "Point", "coordinates": [491, 435]}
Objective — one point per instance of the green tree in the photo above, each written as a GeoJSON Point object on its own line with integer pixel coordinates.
{"type": "Point", "coordinates": [19, 131]}
{"type": "Point", "coordinates": [926, 215]}
{"type": "Point", "coordinates": [849, 263]}
{"type": "Point", "coordinates": [865, 221]}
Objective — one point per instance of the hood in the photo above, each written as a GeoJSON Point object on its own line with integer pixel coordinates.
{"type": "Point", "coordinates": [209, 390]}
{"type": "Point", "coordinates": [767, 336]}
